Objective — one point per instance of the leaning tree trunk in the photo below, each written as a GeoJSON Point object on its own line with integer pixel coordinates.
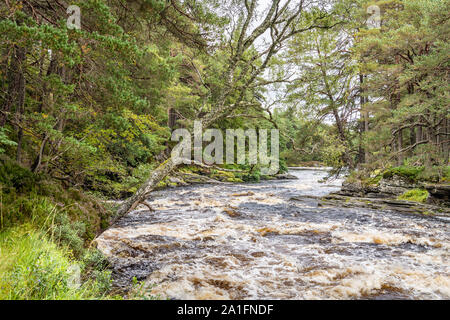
{"type": "Point", "coordinates": [273, 19]}
{"type": "Point", "coordinates": [164, 169]}
{"type": "Point", "coordinates": [167, 166]}
{"type": "Point", "coordinates": [157, 175]}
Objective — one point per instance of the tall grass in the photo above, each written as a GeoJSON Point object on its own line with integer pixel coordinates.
{"type": "Point", "coordinates": [32, 267]}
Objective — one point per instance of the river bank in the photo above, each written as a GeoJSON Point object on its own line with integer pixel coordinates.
{"type": "Point", "coordinates": [398, 189]}
{"type": "Point", "coordinates": [231, 235]}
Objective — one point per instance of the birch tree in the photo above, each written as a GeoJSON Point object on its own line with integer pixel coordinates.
{"type": "Point", "coordinates": [254, 40]}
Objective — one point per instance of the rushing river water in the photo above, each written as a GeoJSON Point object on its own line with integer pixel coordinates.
{"type": "Point", "coordinates": [255, 241]}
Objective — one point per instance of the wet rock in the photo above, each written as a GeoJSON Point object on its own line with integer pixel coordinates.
{"type": "Point", "coordinates": [232, 212]}
{"type": "Point", "coordinates": [193, 178]}
{"type": "Point", "coordinates": [244, 194]}
{"type": "Point", "coordinates": [440, 192]}
{"type": "Point", "coordinates": [394, 187]}
{"type": "Point", "coordinates": [385, 204]}
{"type": "Point", "coordinates": [124, 271]}
{"type": "Point", "coordinates": [285, 176]}
{"type": "Point", "coordinates": [177, 181]}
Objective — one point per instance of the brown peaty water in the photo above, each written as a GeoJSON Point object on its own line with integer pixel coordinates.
{"type": "Point", "coordinates": [253, 241]}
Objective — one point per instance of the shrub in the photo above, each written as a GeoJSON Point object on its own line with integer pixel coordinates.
{"type": "Point", "coordinates": [93, 259]}
{"type": "Point", "coordinates": [411, 173]}
{"type": "Point", "coordinates": [69, 233]}
{"type": "Point", "coordinates": [14, 176]}
{"type": "Point", "coordinates": [446, 177]}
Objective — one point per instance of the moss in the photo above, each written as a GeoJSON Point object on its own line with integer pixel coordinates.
{"type": "Point", "coordinates": [415, 174]}
{"type": "Point", "coordinates": [446, 177]}
{"type": "Point", "coordinates": [162, 184]}
{"type": "Point", "coordinates": [235, 180]}
{"type": "Point", "coordinates": [190, 169]}
{"type": "Point", "coordinates": [408, 172]}
{"type": "Point", "coordinates": [372, 181]}
{"type": "Point", "coordinates": [222, 175]}
{"type": "Point", "coordinates": [416, 195]}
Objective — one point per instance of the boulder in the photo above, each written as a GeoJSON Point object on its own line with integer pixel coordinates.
{"type": "Point", "coordinates": [285, 176]}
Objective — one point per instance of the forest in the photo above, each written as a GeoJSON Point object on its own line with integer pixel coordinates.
{"type": "Point", "coordinates": [91, 90]}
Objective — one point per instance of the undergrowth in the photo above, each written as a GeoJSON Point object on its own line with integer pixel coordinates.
{"type": "Point", "coordinates": [45, 232]}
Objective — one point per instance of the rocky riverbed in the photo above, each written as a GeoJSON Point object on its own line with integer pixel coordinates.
{"type": "Point", "coordinates": [277, 240]}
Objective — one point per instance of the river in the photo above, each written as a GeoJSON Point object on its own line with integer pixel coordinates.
{"type": "Point", "coordinates": [273, 240]}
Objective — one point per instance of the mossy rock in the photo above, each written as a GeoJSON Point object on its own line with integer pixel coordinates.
{"type": "Point", "coordinates": [410, 173]}
{"type": "Point", "coordinates": [415, 195]}
{"type": "Point", "coordinates": [372, 181]}
{"type": "Point", "coordinates": [223, 175]}
{"type": "Point", "coordinates": [161, 184]}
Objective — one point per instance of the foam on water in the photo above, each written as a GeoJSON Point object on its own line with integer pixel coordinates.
{"type": "Point", "coordinates": [255, 242]}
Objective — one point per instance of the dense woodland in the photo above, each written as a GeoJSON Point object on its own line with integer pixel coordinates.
{"type": "Point", "coordinates": [86, 114]}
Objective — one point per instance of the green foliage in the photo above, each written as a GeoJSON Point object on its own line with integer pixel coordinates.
{"type": "Point", "coordinates": [14, 176]}
{"type": "Point", "coordinates": [422, 173]}
{"type": "Point", "coordinates": [252, 176]}
{"type": "Point", "coordinates": [408, 80]}
{"type": "Point", "coordinates": [71, 216]}
{"type": "Point", "coordinates": [416, 195]}
{"type": "Point", "coordinates": [434, 174]}
{"type": "Point", "coordinates": [68, 233]}
{"type": "Point", "coordinates": [410, 173]}
{"type": "Point", "coordinates": [4, 140]}
{"type": "Point", "coordinates": [94, 267]}
{"type": "Point", "coordinates": [283, 166]}
{"type": "Point", "coordinates": [32, 267]}
{"type": "Point", "coordinates": [142, 291]}
{"type": "Point", "coordinates": [446, 177]}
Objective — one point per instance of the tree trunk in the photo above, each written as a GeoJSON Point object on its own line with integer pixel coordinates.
{"type": "Point", "coordinates": [366, 129]}
{"type": "Point", "coordinates": [362, 121]}
{"type": "Point", "coordinates": [16, 93]}
{"type": "Point", "coordinates": [400, 147]}
{"type": "Point", "coordinates": [157, 175]}
{"type": "Point", "coordinates": [47, 98]}
{"type": "Point", "coordinates": [447, 144]}
{"type": "Point", "coordinates": [419, 133]}
{"type": "Point", "coordinates": [16, 82]}
{"type": "Point", "coordinates": [412, 136]}
{"type": "Point", "coordinates": [244, 42]}
{"type": "Point", "coordinates": [20, 102]}
{"type": "Point", "coordinates": [346, 156]}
